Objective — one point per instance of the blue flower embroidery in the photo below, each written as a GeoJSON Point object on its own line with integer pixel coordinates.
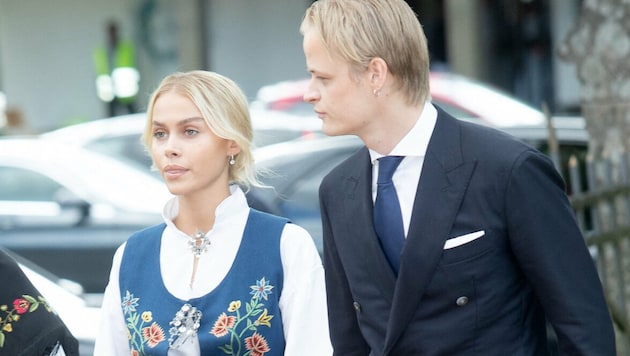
{"type": "Point", "coordinates": [261, 289]}
{"type": "Point", "coordinates": [129, 303]}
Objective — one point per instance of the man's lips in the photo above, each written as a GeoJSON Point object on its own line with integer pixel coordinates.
{"type": "Point", "coordinates": [320, 114]}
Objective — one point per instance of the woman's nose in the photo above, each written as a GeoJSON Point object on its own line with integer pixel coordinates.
{"type": "Point", "coordinates": [171, 148]}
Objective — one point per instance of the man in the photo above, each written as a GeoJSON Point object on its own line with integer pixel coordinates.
{"type": "Point", "coordinates": [487, 245]}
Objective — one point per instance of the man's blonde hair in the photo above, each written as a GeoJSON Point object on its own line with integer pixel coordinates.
{"type": "Point", "coordinates": [359, 30]}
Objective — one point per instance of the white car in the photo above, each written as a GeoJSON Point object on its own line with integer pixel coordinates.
{"type": "Point", "coordinates": [460, 96]}
{"type": "Point", "coordinates": [67, 208]}
{"type": "Point", "coordinates": [120, 136]}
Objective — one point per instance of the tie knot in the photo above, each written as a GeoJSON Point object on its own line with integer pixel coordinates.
{"type": "Point", "coordinates": [386, 167]}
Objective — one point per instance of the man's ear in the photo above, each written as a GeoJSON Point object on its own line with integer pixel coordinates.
{"type": "Point", "coordinates": [377, 70]}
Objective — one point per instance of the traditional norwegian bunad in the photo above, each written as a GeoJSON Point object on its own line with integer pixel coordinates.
{"type": "Point", "coordinates": [240, 316]}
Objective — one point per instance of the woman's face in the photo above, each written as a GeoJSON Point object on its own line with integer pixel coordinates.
{"type": "Point", "coordinates": [189, 156]}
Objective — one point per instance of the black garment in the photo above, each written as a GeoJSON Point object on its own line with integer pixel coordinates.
{"type": "Point", "coordinates": [28, 325]}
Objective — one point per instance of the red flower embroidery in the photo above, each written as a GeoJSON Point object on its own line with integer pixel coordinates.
{"type": "Point", "coordinates": [135, 353]}
{"type": "Point", "coordinates": [223, 324]}
{"type": "Point", "coordinates": [153, 334]}
{"type": "Point", "coordinates": [256, 344]}
{"type": "Point", "coordinates": [21, 305]}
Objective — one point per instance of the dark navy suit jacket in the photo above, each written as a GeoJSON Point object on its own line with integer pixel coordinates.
{"type": "Point", "coordinates": [526, 259]}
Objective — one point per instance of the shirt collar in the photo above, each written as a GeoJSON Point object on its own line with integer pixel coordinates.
{"type": "Point", "coordinates": [236, 201]}
{"type": "Point", "coordinates": [416, 141]}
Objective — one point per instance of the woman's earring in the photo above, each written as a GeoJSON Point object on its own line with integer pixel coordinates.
{"type": "Point", "coordinates": [376, 92]}
{"type": "Point", "coordinates": [232, 161]}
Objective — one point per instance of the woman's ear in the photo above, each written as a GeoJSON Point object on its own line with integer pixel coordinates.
{"type": "Point", "coordinates": [233, 148]}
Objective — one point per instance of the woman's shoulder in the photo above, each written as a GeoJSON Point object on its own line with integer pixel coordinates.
{"type": "Point", "coordinates": [297, 241]}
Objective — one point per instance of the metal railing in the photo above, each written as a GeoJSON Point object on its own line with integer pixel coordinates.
{"type": "Point", "coordinates": [600, 196]}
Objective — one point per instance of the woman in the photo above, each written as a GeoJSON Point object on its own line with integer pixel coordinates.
{"type": "Point", "coordinates": [216, 277]}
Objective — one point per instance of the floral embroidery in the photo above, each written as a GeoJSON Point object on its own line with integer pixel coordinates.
{"type": "Point", "coordinates": [21, 306]}
{"type": "Point", "coordinates": [234, 306]}
{"type": "Point", "coordinates": [256, 344]}
{"type": "Point", "coordinates": [129, 303]}
{"type": "Point", "coordinates": [261, 289]}
{"type": "Point", "coordinates": [153, 334]}
{"type": "Point", "coordinates": [223, 324]}
{"type": "Point", "coordinates": [264, 319]}
{"type": "Point", "coordinates": [239, 325]}
{"type": "Point", "coordinates": [139, 333]}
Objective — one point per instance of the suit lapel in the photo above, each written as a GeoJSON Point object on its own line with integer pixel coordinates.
{"type": "Point", "coordinates": [441, 188]}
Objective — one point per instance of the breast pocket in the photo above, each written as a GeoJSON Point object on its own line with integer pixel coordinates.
{"type": "Point", "coordinates": [468, 246]}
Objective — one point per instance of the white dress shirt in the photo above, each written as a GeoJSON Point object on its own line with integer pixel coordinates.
{"type": "Point", "coordinates": [303, 299]}
{"type": "Point", "coordinates": [406, 177]}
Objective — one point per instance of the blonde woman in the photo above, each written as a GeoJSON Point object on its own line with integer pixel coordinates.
{"type": "Point", "coordinates": [216, 277]}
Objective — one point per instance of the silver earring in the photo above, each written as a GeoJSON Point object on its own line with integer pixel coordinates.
{"type": "Point", "coordinates": [232, 161]}
{"type": "Point", "coordinates": [376, 92]}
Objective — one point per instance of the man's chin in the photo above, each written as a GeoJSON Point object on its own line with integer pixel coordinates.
{"type": "Point", "coordinates": [333, 131]}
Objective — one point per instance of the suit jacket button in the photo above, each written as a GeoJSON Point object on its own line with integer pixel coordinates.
{"type": "Point", "coordinates": [461, 301]}
{"type": "Point", "coordinates": [357, 306]}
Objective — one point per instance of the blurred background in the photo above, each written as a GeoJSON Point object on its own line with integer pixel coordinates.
{"type": "Point", "coordinates": [48, 48]}
{"type": "Point", "coordinates": [75, 78]}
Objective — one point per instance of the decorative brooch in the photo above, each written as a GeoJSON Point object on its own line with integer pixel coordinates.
{"type": "Point", "coordinates": [184, 325]}
{"type": "Point", "coordinates": [199, 243]}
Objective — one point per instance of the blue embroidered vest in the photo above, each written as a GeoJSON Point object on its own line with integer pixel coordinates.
{"type": "Point", "coordinates": [240, 316]}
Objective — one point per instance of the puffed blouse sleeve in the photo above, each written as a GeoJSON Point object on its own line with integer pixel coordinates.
{"type": "Point", "coordinates": [303, 299]}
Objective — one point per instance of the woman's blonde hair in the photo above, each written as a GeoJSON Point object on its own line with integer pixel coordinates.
{"type": "Point", "coordinates": [225, 109]}
{"type": "Point", "coordinates": [359, 30]}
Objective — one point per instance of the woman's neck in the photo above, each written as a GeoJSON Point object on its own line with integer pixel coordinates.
{"type": "Point", "coordinates": [198, 212]}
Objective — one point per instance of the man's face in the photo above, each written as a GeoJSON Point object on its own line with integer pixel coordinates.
{"type": "Point", "coordinates": [342, 102]}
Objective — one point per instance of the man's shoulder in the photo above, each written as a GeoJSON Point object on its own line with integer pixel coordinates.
{"type": "Point", "coordinates": [491, 140]}
{"type": "Point", "coordinates": [353, 166]}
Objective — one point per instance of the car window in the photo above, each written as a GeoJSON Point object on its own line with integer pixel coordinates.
{"type": "Point", "coordinates": [126, 148]}
{"type": "Point", "coordinates": [301, 198]}
{"type": "Point", "coordinates": [305, 189]}
{"type": "Point", "coordinates": [19, 184]}
{"type": "Point", "coordinates": [31, 199]}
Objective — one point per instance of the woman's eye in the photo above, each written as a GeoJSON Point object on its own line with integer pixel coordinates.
{"type": "Point", "coordinates": [159, 134]}
{"type": "Point", "coordinates": [191, 132]}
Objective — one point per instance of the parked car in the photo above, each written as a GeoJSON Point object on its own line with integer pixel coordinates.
{"type": "Point", "coordinates": [280, 114]}
{"type": "Point", "coordinates": [120, 136]}
{"type": "Point", "coordinates": [81, 318]}
{"type": "Point", "coordinates": [295, 169]}
{"type": "Point", "coordinates": [67, 208]}
{"type": "Point", "coordinates": [460, 96]}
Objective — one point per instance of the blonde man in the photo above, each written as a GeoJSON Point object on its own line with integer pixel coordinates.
{"type": "Point", "coordinates": [469, 243]}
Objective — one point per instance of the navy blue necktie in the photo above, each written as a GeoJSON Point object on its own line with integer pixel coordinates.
{"type": "Point", "coordinates": [388, 221]}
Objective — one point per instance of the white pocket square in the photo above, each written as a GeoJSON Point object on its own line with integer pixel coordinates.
{"type": "Point", "coordinates": [464, 239]}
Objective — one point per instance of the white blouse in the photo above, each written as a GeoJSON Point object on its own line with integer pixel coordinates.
{"type": "Point", "coordinates": [303, 299]}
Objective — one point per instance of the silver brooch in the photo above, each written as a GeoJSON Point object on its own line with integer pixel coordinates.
{"type": "Point", "coordinates": [184, 325]}
{"type": "Point", "coordinates": [199, 243]}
